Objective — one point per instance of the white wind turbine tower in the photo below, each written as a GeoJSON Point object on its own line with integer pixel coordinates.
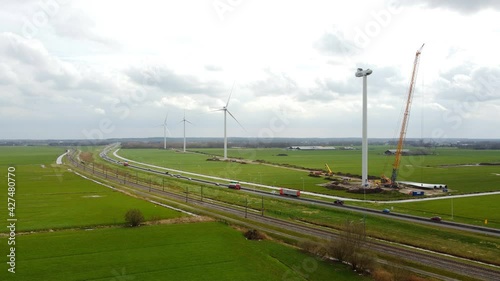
{"type": "Point", "coordinates": [165, 130]}
{"type": "Point", "coordinates": [225, 117]}
{"type": "Point", "coordinates": [184, 120]}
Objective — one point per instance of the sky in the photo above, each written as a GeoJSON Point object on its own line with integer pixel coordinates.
{"type": "Point", "coordinates": [115, 69]}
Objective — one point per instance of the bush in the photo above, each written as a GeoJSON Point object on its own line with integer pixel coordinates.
{"type": "Point", "coordinates": [254, 234]}
{"type": "Point", "coordinates": [134, 217]}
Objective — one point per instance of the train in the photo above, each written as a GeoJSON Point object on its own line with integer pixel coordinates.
{"type": "Point", "coordinates": [290, 192]}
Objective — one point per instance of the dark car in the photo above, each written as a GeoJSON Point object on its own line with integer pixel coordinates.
{"type": "Point", "coordinates": [436, 219]}
{"type": "Point", "coordinates": [338, 202]}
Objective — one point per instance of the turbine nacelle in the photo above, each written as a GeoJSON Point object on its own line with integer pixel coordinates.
{"type": "Point", "coordinates": [360, 72]}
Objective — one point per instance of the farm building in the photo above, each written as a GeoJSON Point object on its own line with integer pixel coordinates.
{"type": "Point", "coordinates": [393, 151]}
{"type": "Point", "coordinates": [312, 147]}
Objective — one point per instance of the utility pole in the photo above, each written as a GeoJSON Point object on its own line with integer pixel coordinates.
{"type": "Point", "coordinates": [246, 206]}
{"type": "Point", "coordinates": [262, 207]}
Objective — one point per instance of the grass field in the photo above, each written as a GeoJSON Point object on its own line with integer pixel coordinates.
{"type": "Point", "coordinates": [201, 251]}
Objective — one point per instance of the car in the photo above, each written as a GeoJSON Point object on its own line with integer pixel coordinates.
{"type": "Point", "coordinates": [436, 218]}
{"type": "Point", "coordinates": [338, 202]}
{"type": "Point", "coordinates": [386, 211]}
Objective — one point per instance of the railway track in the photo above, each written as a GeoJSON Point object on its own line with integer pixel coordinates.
{"type": "Point", "coordinates": [451, 264]}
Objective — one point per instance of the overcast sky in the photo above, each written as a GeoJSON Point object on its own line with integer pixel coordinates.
{"type": "Point", "coordinates": [106, 69]}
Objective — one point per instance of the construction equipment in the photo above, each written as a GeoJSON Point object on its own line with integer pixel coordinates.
{"type": "Point", "coordinates": [330, 173]}
{"type": "Point", "coordinates": [404, 125]}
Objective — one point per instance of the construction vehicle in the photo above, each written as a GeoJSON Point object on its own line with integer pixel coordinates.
{"type": "Point", "coordinates": [330, 173]}
{"type": "Point", "coordinates": [397, 161]}
{"type": "Point", "coordinates": [315, 173]}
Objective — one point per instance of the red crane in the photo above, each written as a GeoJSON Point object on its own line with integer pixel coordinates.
{"type": "Point", "coordinates": [404, 125]}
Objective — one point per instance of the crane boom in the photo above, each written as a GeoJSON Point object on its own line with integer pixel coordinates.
{"type": "Point", "coordinates": [404, 125]}
{"type": "Point", "coordinates": [329, 170]}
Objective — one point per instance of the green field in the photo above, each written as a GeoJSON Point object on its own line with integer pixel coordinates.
{"type": "Point", "coordinates": [201, 251]}
{"type": "Point", "coordinates": [28, 155]}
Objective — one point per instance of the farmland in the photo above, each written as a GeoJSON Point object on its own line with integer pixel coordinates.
{"type": "Point", "coordinates": [70, 228]}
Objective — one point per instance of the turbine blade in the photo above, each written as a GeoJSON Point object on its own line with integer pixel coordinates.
{"type": "Point", "coordinates": [236, 120]}
{"type": "Point", "coordinates": [227, 103]}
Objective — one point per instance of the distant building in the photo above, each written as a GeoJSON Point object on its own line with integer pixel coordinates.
{"type": "Point", "coordinates": [393, 151]}
{"type": "Point", "coordinates": [348, 148]}
{"type": "Point", "coordinates": [319, 147]}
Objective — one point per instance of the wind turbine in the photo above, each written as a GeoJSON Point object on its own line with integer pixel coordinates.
{"type": "Point", "coordinates": [184, 121]}
{"type": "Point", "coordinates": [225, 122]}
{"type": "Point", "coordinates": [165, 129]}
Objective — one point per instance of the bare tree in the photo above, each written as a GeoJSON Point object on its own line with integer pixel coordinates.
{"type": "Point", "coordinates": [351, 239]}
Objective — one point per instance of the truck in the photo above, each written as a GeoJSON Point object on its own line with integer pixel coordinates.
{"type": "Point", "coordinates": [236, 186]}
{"type": "Point", "coordinates": [289, 192]}
{"type": "Point", "coordinates": [416, 193]}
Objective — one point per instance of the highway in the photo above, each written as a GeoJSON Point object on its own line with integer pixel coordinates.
{"type": "Point", "coordinates": [467, 267]}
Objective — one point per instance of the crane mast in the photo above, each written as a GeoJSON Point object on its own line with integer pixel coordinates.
{"type": "Point", "coordinates": [404, 125]}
